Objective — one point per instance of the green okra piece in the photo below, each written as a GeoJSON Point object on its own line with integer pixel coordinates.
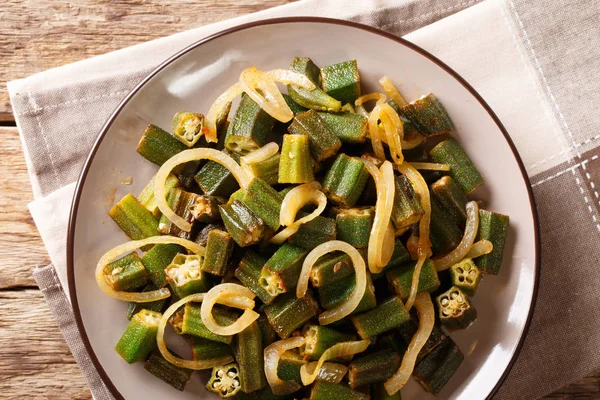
{"type": "Point", "coordinates": [176, 321]}
{"type": "Point", "coordinates": [206, 208]}
{"type": "Point", "coordinates": [373, 368]}
{"type": "Point", "coordinates": [323, 143]}
{"type": "Point", "coordinates": [320, 338]}
{"type": "Point", "coordinates": [399, 256]}
{"type": "Point", "coordinates": [181, 202]}
{"type": "Point", "coordinates": [445, 235]}
{"type": "Point", "coordinates": [289, 366]}
{"type": "Point", "coordinates": [158, 305]}
{"type": "Point", "coordinates": [157, 145]}
{"type": "Point", "coordinates": [295, 107]}
{"type": "Point", "coordinates": [345, 180]}
{"type": "Point", "coordinates": [492, 227]}
{"type": "Point", "coordinates": [347, 126]}
{"type": "Point", "coordinates": [332, 295]}
{"type": "Point", "coordinates": [407, 209]}
{"type": "Point", "coordinates": [462, 169]}
{"type": "Point", "coordinates": [248, 352]}
{"type": "Point", "coordinates": [250, 127]}
{"type": "Point", "coordinates": [192, 322]}
{"type": "Point", "coordinates": [133, 218]}
{"type": "Point", "coordinates": [216, 180]}
{"type": "Point", "coordinates": [147, 199]}
{"type": "Point", "coordinates": [452, 199]}
{"type": "Point", "coordinates": [435, 370]}
{"type": "Point", "coordinates": [391, 341]}
{"type": "Point", "coordinates": [455, 309]}
{"type": "Point", "coordinates": [378, 392]}
{"type": "Point", "coordinates": [295, 164]}
{"type": "Point", "coordinates": [219, 248]}
{"type": "Point", "coordinates": [175, 376]}
{"type": "Point", "coordinates": [264, 201]}
{"type": "Point", "coordinates": [354, 225]}
{"type": "Point", "coordinates": [400, 278]}
{"type": "Point", "coordinates": [288, 313]}
{"type": "Point", "coordinates": [202, 237]}
{"type": "Point", "coordinates": [334, 391]}
{"type": "Point", "coordinates": [241, 223]}
{"type": "Point", "coordinates": [437, 337]}
{"type": "Point", "coordinates": [316, 99]}
{"type": "Point", "coordinates": [331, 268]}
{"type": "Point", "coordinates": [341, 81]}
{"type": "Point", "coordinates": [267, 170]}
{"type": "Point", "coordinates": [428, 115]}
{"type": "Point", "coordinates": [313, 233]}
{"type": "Point", "coordinates": [248, 272]}
{"type": "Point", "coordinates": [280, 273]}
{"type": "Point", "coordinates": [264, 394]}
{"type": "Point", "coordinates": [205, 349]}
{"type": "Point", "coordinates": [187, 127]}
{"type": "Point", "coordinates": [185, 275]}
{"type": "Point", "coordinates": [225, 380]}
{"type": "Point", "coordinates": [139, 338]}
{"type": "Point", "coordinates": [267, 332]}
{"type": "Point", "coordinates": [126, 274]}
{"type": "Point", "coordinates": [466, 276]}
{"type": "Point", "coordinates": [388, 315]}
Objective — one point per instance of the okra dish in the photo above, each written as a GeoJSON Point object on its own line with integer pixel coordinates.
{"type": "Point", "coordinates": [315, 243]}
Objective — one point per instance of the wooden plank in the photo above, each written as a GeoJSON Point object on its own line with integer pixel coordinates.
{"type": "Point", "coordinates": [43, 34]}
{"type": "Point", "coordinates": [22, 247]}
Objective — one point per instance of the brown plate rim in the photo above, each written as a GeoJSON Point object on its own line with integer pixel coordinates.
{"type": "Point", "coordinates": [77, 196]}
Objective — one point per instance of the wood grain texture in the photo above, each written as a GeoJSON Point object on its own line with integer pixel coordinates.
{"type": "Point", "coordinates": [43, 34]}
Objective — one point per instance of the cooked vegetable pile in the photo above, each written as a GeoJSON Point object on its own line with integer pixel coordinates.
{"type": "Point", "coordinates": [316, 244]}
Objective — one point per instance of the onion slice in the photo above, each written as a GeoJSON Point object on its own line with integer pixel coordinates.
{"type": "Point", "coordinates": [114, 253]}
{"type": "Point", "coordinates": [480, 248]}
{"type": "Point", "coordinates": [210, 122]}
{"type": "Point", "coordinates": [471, 229]}
{"type": "Point", "coordinates": [294, 201]}
{"type": "Point", "coordinates": [309, 372]}
{"type": "Point", "coordinates": [289, 77]}
{"type": "Point", "coordinates": [380, 97]}
{"type": "Point", "coordinates": [228, 291]}
{"type": "Point", "coordinates": [374, 132]}
{"type": "Point", "coordinates": [391, 90]}
{"type": "Point", "coordinates": [394, 131]}
{"type": "Point", "coordinates": [182, 158]}
{"type": "Point", "coordinates": [180, 362]}
{"type": "Point", "coordinates": [431, 166]}
{"type": "Point", "coordinates": [269, 98]}
{"type": "Point", "coordinates": [349, 304]}
{"type": "Point", "coordinates": [426, 312]}
{"type": "Point", "coordinates": [259, 155]}
{"type": "Point", "coordinates": [273, 353]}
{"type": "Point", "coordinates": [414, 283]}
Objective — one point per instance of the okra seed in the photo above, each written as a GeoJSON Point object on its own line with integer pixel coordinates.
{"type": "Point", "coordinates": [117, 271]}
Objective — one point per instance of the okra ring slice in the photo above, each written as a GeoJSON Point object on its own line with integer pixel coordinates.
{"type": "Point", "coordinates": [127, 247]}
{"type": "Point", "coordinates": [225, 380]}
{"type": "Point", "coordinates": [223, 292]}
{"type": "Point", "coordinates": [273, 353]}
{"type": "Point", "coordinates": [350, 304]}
{"type": "Point", "coordinates": [182, 158]}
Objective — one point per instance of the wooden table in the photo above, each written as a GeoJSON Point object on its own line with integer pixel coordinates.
{"type": "Point", "coordinates": [41, 34]}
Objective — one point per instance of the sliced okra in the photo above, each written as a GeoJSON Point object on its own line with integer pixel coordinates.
{"type": "Point", "coordinates": [219, 248]}
{"type": "Point", "coordinates": [347, 126]}
{"type": "Point", "coordinates": [313, 233]}
{"type": "Point", "coordinates": [399, 256]}
{"type": "Point", "coordinates": [185, 275]}
{"type": "Point", "coordinates": [437, 337]}
{"type": "Point", "coordinates": [323, 143]}
{"type": "Point", "coordinates": [407, 208]}
{"type": "Point", "coordinates": [341, 81]}
{"type": "Point", "coordinates": [147, 199]}
{"type": "Point", "coordinates": [264, 201]}
{"type": "Point", "coordinates": [158, 305]}
{"type": "Point", "coordinates": [267, 170]}
{"type": "Point", "coordinates": [202, 237]}
{"type": "Point", "coordinates": [435, 370]}
{"type": "Point", "coordinates": [182, 203]}
{"type": "Point", "coordinates": [133, 218]}
{"type": "Point", "coordinates": [445, 234]}
{"type": "Point", "coordinates": [206, 208]}
{"type": "Point", "coordinates": [332, 295]}
{"type": "Point", "coordinates": [428, 115]}
{"type": "Point", "coordinates": [139, 338]}
{"type": "Point", "coordinates": [373, 368]}
{"type": "Point", "coordinates": [289, 366]}
{"type": "Point", "coordinates": [462, 169]}
{"type": "Point", "coordinates": [388, 315]}
{"type": "Point", "coordinates": [492, 227]}
{"type": "Point", "coordinates": [319, 338]}
{"type": "Point", "coordinates": [187, 127]}
{"type": "Point", "coordinates": [354, 225]}
{"type": "Point", "coordinates": [216, 180]}
{"type": "Point", "coordinates": [242, 224]}
{"type": "Point", "coordinates": [295, 107]}
{"type": "Point", "coordinates": [126, 274]}
{"type": "Point", "coordinates": [205, 349]}
{"type": "Point", "coordinates": [175, 376]}
{"type": "Point", "coordinates": [466, 276]}
{"type": "Point", "coordinates": [263, 394]}
{"type": "Point", "coordinates": [455, 309]}
{"type": "Point", "coordinates": [452, 199]}
{"type": "Point", "coordinates": [400, 278]}
{"type": "Point", "coordinates": [250, 127]}
{"type": "Point", "coordinates": [316, 99]}
{"type": "Point", "coordinates": [248, 352]}
{"type": "Point", "coordinates": [267, 332]}
{"type": "Point", "coordinates": [225, 380]}
{"type": "Point", "coordinates": [280, 273]}
{"type": "Point", "coordinates": [157, 145]}
{"type": "Point", "coordinates": [192, 322]}
{"type": "Point", "coordinates": [378, 392]}
{"type": "Point", "coordinates": [295, 164]}
{"type": "Point", "coordinates": [330, 268]}
{"type": "Point", "coordinates": [391, 341]}
{"type": "Point", "coordinates": [334, 391]}
{"type": "Point", "coordinates": [288, 313]}
{"type": "Point", "coordinates": [345, 180]}
{"type": "Point", "coordinates": [176, 321]}
{"type": "Point", "coordinates": [248, 272]}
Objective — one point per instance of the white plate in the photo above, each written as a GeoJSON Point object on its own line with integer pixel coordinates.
{"type": "Point", "coordinates": [192, 79]}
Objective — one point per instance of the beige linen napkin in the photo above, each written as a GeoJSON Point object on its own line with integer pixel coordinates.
{"type": "Point", "coordinates": [536, 63]}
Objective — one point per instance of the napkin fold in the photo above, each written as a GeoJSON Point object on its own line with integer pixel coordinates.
{"type": "Point", "coordinates": [538, 66]}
